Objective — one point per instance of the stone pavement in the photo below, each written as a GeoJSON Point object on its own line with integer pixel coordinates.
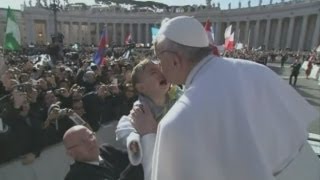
{"type": "Point", "coordinates": [308, 88]}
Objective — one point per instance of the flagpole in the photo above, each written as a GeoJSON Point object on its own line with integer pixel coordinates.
{"type": "Point", "coordinates": [238, 36]}
{"type": "Point", "coordinates": [249, 34]}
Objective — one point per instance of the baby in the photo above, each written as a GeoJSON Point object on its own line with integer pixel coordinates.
{"type": "Point", "coordinates": [159, 96]}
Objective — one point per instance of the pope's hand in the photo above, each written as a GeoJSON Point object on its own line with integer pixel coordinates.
{"type": "Point", "coordinates": [143, 121]}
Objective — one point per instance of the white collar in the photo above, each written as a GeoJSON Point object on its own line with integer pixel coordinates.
{"type": "Point", "coordinates": [196, 69]}
{"type": "Point", "coordinates": [94, 162]}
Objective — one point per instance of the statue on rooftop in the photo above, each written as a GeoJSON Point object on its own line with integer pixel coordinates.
{"type": "Point", "coordinates": [38, 3]}
{"type": "Point", "coordinates": [239, 4]}
{"type": "Point", "coordinates": [249, 3]}
{"type": "Point", "coordinates": [260, 2]}
{"type": "Point", "coordinates": [208, 3]}
{"type": "Point", "coordinates": [229, 5]}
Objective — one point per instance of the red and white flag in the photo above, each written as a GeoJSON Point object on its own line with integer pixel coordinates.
{"type": "Point", "coordinates": [128, 39]}
{"type": "Point", "coordinates": [227, 32]}
{"type": "Point", "coordinates": [229, 42]}
{"type": "Point", "coordinates": [209, 31]}
{"type": "Point", "coordinates": [210, 35]}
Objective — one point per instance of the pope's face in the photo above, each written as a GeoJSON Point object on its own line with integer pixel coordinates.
{"type": "Point", "coordinates": [167, 65]}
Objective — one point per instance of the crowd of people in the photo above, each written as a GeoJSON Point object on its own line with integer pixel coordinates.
{"type": "Point", "coordinates": [39, 101]}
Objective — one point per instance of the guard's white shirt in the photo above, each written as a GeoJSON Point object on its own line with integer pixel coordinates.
{"type": "Point", "coordinates": [237, 120]}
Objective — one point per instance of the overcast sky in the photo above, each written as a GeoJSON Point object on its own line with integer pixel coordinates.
{"type": "Point", "coordinates": [16, 4]}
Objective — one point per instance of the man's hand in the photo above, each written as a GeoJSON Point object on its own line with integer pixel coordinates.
{"type": "Point", "coordinates": [28, 158]}
{"type": "Point", "coordinates": [143, 120]}
{"type": "Point", "coordinates": [19, 98]}
{"type": "Point", "coordinates": [53, 115]}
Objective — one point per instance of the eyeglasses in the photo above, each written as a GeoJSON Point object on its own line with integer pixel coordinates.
{"type": "Point", "coordinates": [156, 59]}
{"type": "Point", "coordinates": [84, 141]}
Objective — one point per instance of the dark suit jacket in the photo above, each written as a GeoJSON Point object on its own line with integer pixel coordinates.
{"type": "Point", "coordinates": [115, 166]}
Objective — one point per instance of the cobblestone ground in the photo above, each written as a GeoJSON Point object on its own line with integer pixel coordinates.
{"type": "Point", "coordinates": [308, 88]}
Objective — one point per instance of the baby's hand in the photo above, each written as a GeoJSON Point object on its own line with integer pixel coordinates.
{"type": "Point", "coordinates": [134, 147]}
{"type": "Point", "coordinates": [143, 120]}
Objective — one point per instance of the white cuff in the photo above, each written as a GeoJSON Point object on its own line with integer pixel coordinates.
{"type": "Point", "coordinates": [134, 158]}
{"type": "Point", "coordinates": [124, 128]}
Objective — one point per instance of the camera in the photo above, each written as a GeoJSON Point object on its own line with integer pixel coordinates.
{"type": "Point", "coordinates": [24, 87]}
{"type": "Point", "coordinates": [58, 91]}
{"type": "Point", "coordinates": [94, 67]}
{"type": "Point", "coordinates": [82, 90]}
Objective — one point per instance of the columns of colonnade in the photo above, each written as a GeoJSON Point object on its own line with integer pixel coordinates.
{"type": "Point", "coordinates": [97, 34]}
{"type": "Point", "coordinates": [266, 37]}
{"type": "Point", "coordinates": [114, 32]}
{"type": "Point", "coordinates": [147, 33]}
{"type": "Point", "coordinates": [139, 32]}
{"type": "Point", "coordinates": [316, 33]}
{"type": "Point", "coordinates": [257, 34]}
{"type": "Point", "coordinates": [303, 32]}
{"type": "Point", "coordinates": [122, 34]}
{"type": "Point", "coordinates": [237, 32]}
{"type": "Point", "coordinates": [290, 32]}
{"type": "Point", "coordinates": [278, 34]}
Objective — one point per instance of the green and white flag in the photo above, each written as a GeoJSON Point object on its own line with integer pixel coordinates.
{"type": "Point", "coordinates": [12, 39]}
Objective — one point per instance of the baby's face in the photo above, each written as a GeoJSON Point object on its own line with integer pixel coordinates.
{"type": "Point", "coordinates": [154, 81]}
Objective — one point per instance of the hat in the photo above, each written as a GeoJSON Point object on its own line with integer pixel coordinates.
{"type": "Point", "coordinates": [185, 30]}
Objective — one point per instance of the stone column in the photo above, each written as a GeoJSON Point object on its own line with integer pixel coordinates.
{"type": "Point", "coordinates": [80, 32]}
{"type": "Point", "coordinates": [246, 37]}
{"type": "Point", "coordinates": [31, 32]}
{"type": "Point", "coordinates": [147, 33]}
{"type": "Point", "coordinates": [316, 34]}
{"type": "Point", "coordinates": [65, 32]}
{"type": "Point", "coordinates": [303, 32]}
{"type": "Point", "coordinates": [139, 32]}
{"type": "Point", "coordinates": [278, 34]}
{"type": "Point", "coordinates": [130, 32]}
{"type": "Point", "coordinates": [290, 33]}
{"type": "Point", "coordinates": [237, 32]}
{"type": "Point", "coordinates": [97, 34]}
{"type": "Point", "coordinates": [114, 32]}
{"type": "Point", "coordinates": [71, 33]}
{"type": "Point", "coordinates": [131, 29]}
{"type": "Point", "coordinates": [217, 33]}
{"type": "Point", "coordinates": [256, 33]}
{"type": "Point", "coordinates": [266, 37]}
{"type": "Point", "coordinates": [122, 34]}
{"type": "Point", "coordinates": [49, 29]}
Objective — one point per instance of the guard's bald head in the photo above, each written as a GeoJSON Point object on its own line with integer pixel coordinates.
{"type": "Point", "coordinates": [73, 131]}
{"type": "Point", "coordinates": [81, 144]}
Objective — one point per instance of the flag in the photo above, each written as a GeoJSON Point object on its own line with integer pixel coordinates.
{"type": "Point", "coordinates": [12, 37]}
{"type": "Point", "coordinates": [229, 42]}
{"type": "Point", "coordinates": [210, 35]}
{"type": "Point", "coordinates": [227, 32]}
{"type": "Point", "coordinates": [98, 57]}
{"type": "Point", "coordinates": [154, 32]}
{"type": "Point", "coordinates": [318, 49]}
{"type": "Point", "coordinates": [128, 39]}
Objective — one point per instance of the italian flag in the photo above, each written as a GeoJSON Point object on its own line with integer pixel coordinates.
{"type": "Point", "coordinates": [12, 38]}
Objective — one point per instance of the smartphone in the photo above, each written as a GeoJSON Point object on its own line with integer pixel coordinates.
{"type": "Point", "coordinates": [115, 81]}
{"type": "Point", "coordinates": [1, 125]}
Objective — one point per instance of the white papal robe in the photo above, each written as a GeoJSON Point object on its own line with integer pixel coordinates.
{"type": "Point", "coordinates": [237, 120]}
